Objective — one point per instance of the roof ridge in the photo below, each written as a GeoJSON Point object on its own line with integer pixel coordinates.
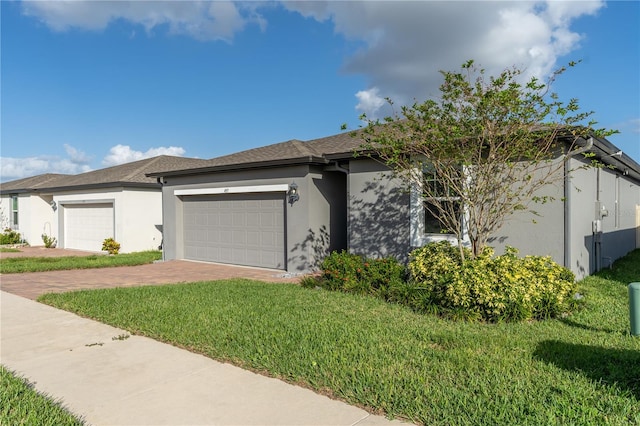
{"type": "Point", "coordinates": [145, 162]}
{"type": "Point", "coordinates": [305, 148]}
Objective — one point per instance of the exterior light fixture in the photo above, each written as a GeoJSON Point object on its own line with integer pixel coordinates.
{"type": "Point", "coordinates": [293, 193]}
{"type": "Point", "coordinates": [53, 205]}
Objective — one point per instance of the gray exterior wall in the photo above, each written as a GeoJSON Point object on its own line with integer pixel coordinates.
{"type": "Point", "coordinates": [370, 213]}
{"type": "Point", "coordinates": [592, 191]}
{"type": "Point", "coordinates": [379, 216]}
{"type": "Point", "coordinates": [308, 222]}
{"type": "Point", "coordinates": [540, 232]}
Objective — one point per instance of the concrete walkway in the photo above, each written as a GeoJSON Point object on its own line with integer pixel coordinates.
{"type": "Point", "coordinates": [139, 381]}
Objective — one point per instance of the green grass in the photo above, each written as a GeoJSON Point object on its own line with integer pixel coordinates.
{"type": "Point", "coordinates": [8, 250]}
{"type": "Point", "coordinates": [583, 369]}
{"type": "Point", "coordinates": [14, 265]}
{"type": "Point", "coordinates": [20, 404]}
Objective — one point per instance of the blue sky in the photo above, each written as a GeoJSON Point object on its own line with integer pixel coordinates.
{"type": "Point", "coordinates": [87, 85]}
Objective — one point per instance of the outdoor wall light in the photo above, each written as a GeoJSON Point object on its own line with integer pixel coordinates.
{"type": "Point", "coordinates": [53, 205]}
{"type": "Point", "coordinates": [293, 193]}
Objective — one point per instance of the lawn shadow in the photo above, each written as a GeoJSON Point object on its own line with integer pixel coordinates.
{"type": "Point", "coordinates": [613, 367]}
{"type": "Point", "coordinates": [576, 324]}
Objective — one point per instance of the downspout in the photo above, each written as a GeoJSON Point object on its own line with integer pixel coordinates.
{"type": "Point", "coordinates": [597, 247]}
{"type": "Point", "coordinates": [567, 217]}
{"type": "Point", "coordinates": [161, 183]}
{"type": "Point", "coordinates": [585, 148]}
{"type": "Point", "coordinates": [335, 167]}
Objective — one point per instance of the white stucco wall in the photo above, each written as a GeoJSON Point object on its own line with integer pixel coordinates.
{"type": "Point", "coordinates": [139, 220]}
{"type": "Point", "coordinates": [138, 214]}
{"type": "Point", "coordinates": [5, 211]}
{"type": "Point", "coordinates": [35, 217]}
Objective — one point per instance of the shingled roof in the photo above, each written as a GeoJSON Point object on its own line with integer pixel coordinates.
{"type": "Point", "coordinates": [29, 182]}
{"type": "Point", "coordinates": [290, 152]}
{"type": "Point", "coordinates": [132, 174]}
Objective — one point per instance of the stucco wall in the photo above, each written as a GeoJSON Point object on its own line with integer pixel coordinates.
{"type": "Point", "coordinates": [5, 211]}
{"type": "Point", "coordinates": [593, 190]}
{"type": "Point", "coordinates": [35, 217]}
{"type": "Point", "coordinates": [581, 197]}
{"type": "Point", "coordinates": [138, 212]}
{"type": "Point", "coordinates": [378, 211]}
{"type": "Point", "coordinates": [139, 220]}
{"type": "Point", "coordinates": [539, 231]}
{"type": "Point", "coordinates": [307, 221]}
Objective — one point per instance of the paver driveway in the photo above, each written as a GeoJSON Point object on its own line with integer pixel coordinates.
{"type": "Point", "coordinates": [33, 284]}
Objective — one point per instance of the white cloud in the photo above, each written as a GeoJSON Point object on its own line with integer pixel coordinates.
{"type": "Point", "coordinates": [403, 45]}
{"type": "Point", "coordinates": [121, 154]}
{"type": "Point", "coordinates": [18, 168]}
{"type": "Point", "coordinates": [202, 20]}
{"type": "Point", "coordinates": [406, 44]}
{"type": "Point", "coordinates": [370, 102]}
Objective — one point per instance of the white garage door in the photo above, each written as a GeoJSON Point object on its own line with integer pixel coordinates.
{"type": "Point", "coordinates": [242, 229]}
{"type": "Point", "coordinates": [87, 225]}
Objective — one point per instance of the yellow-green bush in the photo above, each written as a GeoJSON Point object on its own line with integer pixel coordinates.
{"type": "Point", "coordinates": [111, 246]}
{"type": "Point", "coordinates": [500, 288]}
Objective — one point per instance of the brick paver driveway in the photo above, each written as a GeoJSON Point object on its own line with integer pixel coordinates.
{"type": "Point", "coordinates": [33, 284]}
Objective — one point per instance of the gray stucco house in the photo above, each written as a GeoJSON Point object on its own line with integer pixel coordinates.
{"type": "Point", "coordinates": [285, 206]}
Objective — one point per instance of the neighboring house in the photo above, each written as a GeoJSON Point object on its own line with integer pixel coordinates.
{"type": "Point", "coordinates": [80, 211]}
{"type": "Point", "coordinates": [285, 206]}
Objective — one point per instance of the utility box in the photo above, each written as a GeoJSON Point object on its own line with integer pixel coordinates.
{"type": "Point", "coordinates": [634, 308]}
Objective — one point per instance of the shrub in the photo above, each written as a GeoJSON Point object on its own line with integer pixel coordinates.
{"type": "Point", "coordinates": [501, 288]}
{"type": "Point", "coordinates": [310, 281]}
{"type": "Point", "coordinates": [48, 241]}
{"type": "Point", "coordinates": [9, 236]}
{"type": "Point", "coordinates": [111, 246]}
{"type": "Point", "coordinates": [356, 274]}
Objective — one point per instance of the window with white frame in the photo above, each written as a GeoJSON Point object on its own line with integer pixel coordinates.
{"type": "Point", "coordinates": [429, 198]}
{"type": "Point", "coordinates": [14, 211]}
{"type": "Point", "coordinates": [438, 196]}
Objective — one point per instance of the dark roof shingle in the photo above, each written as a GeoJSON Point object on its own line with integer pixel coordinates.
{"type": "Point", "coordinates": [129, 174]}
{"type": "Point", "coordinates": [30, 182]}
{"type": "Point", "coordinates": [314, 151]}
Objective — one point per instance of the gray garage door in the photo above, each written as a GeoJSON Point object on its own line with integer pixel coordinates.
{"type": "Point", "coordinates": [242, 229]}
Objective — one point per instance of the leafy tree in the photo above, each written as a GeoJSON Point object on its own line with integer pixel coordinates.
{"type": "Point", "coordinates": [484, 149]}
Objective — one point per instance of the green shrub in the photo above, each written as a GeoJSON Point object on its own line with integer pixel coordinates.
{"type": "Point", "coordinates": [310, 281]}
{"type": "Point", "coordinates": [356, 274]}
{"type": "Point", "coordinates": [111, 246]}
{"type": "Point", "coordinates": [9, 236]}
{"type": "Point", "coordinates": [501, 288]}
{"type": "Point", "coordinates": [48, 241]}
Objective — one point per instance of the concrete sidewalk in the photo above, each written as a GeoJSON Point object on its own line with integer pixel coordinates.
{"type": "Point", "coordinates": [139, 381]}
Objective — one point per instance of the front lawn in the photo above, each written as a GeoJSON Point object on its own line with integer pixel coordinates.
{"type": "Point", "coordinates": [14, 265]}
{"type": "Point", "coordinates": [20, 404]}
{"type": "Point", "coordinates": [582, 369]}
{"type": "Point", "coordinates": [9, 250]}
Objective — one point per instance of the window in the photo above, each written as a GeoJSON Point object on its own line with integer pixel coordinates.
{"type": "Point", "coordinates": [14, 211]}
{"type": "Point", "coordinates": [438, 196]}
{"type": "Point", "coordinates": [426, 222]}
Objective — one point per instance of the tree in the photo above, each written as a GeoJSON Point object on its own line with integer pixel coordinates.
{"type": "Point", "coordinates": [483, 150]}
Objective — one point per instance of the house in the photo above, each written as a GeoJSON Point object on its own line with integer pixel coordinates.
{"type": "Point", "coordinates": [285, 206]}
{"type": "Point", "coordinates": [81, 210]}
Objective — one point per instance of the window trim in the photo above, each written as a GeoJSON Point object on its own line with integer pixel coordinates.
{"type": "Point", "coordinates": [15, 215]}
{"type": "Point", "coordinates": [417, 218]}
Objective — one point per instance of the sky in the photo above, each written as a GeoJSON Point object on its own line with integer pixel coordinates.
{"type": "Point", "coordinates": [92, 84]}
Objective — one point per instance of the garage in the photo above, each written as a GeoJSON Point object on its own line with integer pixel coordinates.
{"type": "Point", "coordinates": [242, 229]}
{"type": "Point", "coordinates": [86, 225]}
